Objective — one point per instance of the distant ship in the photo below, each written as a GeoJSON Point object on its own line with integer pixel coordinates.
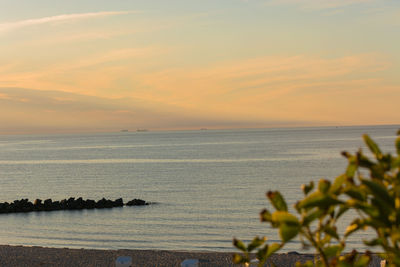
{"type": "Point", "coordinates": [141, 130]}
{"type": "Point", "coordinates": [124, 130]}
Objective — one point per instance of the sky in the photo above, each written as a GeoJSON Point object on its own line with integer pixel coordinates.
{"type": "Point", "coordinates": [100, 65]}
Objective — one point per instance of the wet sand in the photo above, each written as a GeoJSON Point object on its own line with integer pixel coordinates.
{"type": "Point", "coordinates": [21, 256]}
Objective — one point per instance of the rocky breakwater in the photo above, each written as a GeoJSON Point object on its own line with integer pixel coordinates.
{"type": "Point", "coordinates": [24, 205]}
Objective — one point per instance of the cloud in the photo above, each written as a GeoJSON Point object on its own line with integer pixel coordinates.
{"type": "Point", "coordinates": [251, 92]}
{"type": "Point", "coordinates": [10, 26]}
{"type": "Point", "coordinates": [294, 88]}
{"type": "Point", "coordinates": [94, 74]}
{"type": "Point", "coordinates": [32, 111]}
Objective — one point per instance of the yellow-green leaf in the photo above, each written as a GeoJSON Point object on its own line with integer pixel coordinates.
{"type": "Point", "coordinates": [277, 200]}
{"type": "Point", "coordinates": [380, 191]}
{"type": "Point", "coordinates": [288, 231]}
{"type": "Point", "coordinates": [356, 225]}
{"type": "Point", "coordinates": [256, 243]}
{"type": "Point", "coordinates": [239, 259]}
{"type": "Point", "coordinates": [272, 248]}
{"type": "Point", "coordinates": [333, 250]}
{"type": "Point", "coordinates": [285, 217]}
{"type": "Point", "coordinates": [324, 185]}
{"type": "Point", "coordinates": [317, 199]}
{"type": "Point", "coordinates": [239, 245]}
{"type": "Point", "coordinates": [356, 192]}
{"type": "Point", "coordinates": [265, 216]}
{"type": "Point", "coordinates": [372, 146]}
{"type": "Point", "coordinates": [331, 231]}
{"type": "Point", "coordinates": [351, 167]}
{"type": "Point", "coordinates": [398, 145]}
{"type": "Point", "coordinates": [307, 188]}
{"type": "Point", "coordinates": [337, 184]}
{"type": "Point", "coordinates": [362, 261]}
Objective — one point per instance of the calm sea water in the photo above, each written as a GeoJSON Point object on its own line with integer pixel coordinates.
{"type": "Point", "coordinates": [208, 185]}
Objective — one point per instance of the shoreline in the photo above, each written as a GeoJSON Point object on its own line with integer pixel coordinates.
{"type": "Point", "coordinates": [19, 256]}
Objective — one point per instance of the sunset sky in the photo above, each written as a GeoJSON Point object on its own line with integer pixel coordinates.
{"type": "Point", "coordinates": [100, 65]}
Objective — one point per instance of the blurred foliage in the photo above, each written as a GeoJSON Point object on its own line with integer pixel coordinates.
{"type": "Point", "coordinates": [370, 186]}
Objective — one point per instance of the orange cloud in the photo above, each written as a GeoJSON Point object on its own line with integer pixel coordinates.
{"type": "Point", "coordinates": [251, 92]}
{"type": "Point", "coordinates": [229, 86]}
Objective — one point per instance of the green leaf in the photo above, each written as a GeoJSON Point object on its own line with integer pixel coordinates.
{"type": "Point", "coordinates": [261, 254]}
{"type": "Point", "coordinates": [395, 236]}
{"type": "Point", "coordinates": [307, 188]}
{"type": "Point", "coordinates": [356, 193]}
{"type": "Point", "coordinates": [398, 145]}
{"type": "Point", "coordinates": [317, 199]}
{"type": "Point", "coordinates": [343, 264]}
{"type": "Point", "coordinates": [351, 167]}
{"type": "Point", "coordinates": [337, 184]}
{"type": "Point", "coordinates": [277, 200]}
{"type": "Point", "coordinates": [333, 250]}
{"type": "Point", "coordinates": [371, 210]}
{"type": "Point", "coordinates": [332, 231]}
{"type": "Point", "coordinates": [308, 263]}
{"type": "Point", "coordinates": [362, 261]}
{"type": "Point", "coordinates": [288, 231]}
{"type": "Point", "coordinates": [255, 243]}
{"type": "Point", "coordinates": [239, 245]}
{"type": "Point", "coordinates": [379, 191]}
{"type": "Point", "coordinates": [356, 225]}
{"type": "Point", "coordinates": [272, 248]}
{"type": "Point", "coordinates": [324, 185]}
{"type": "Point", "coordinates": [363, 161]}
{"type": "Point", "coordinates": [285, 217]}
{"type": "Point", "coordinates": [351, 229]}
{"type": "Point", "coordinates": [372, 146]}
{"type": "Point", "coordinates": [396, 163]}
{"type": "Point", "coordinates": [264, 253]}
{"type": "Point", "coordinates": [239, 259]}
{"type": "Point", "coordinates": [265, 216]}
{"type": "Point", "coordinates": [312, 216]}
{"type": "Point", "coordinates": [373, 242]}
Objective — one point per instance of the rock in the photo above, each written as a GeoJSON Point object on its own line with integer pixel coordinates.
{"type": "Point", "coordinates": [48, 204]}
{"type": "Point", "coordinates": [136, 202]}
{"type": "Point", "coordinates": [38, 205]}
{"type": "Point", "coordinates": [118, 202]}
{"type": "Point", "coordinates": [80, 204]}
{"type": "Point", "coordinates": [101, 204]}
{"type": "Point", "coordinates": [24, 205]}
{"type": "Point", "coordinates": [90, 204]}
{"type": "Point", "coordinates": [56, 205]}
{"type": "Point", "coordinates": [4, 207]}
{"type": "Point", "coordinates": [71, 203]}
{"type": "Point", "coordinates": [63, 204]}
{"type": "Point", "coordinates": [109, 203]}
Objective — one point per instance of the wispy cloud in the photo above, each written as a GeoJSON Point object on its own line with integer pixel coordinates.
{"type": "Point", "coordinates": [92, 72]}
{"type": "Point", "coordinates": [274, 88]}
{"type": "Point", "coordinates": [260, 87]}
{"type": "Point", "coordinates": [10, 26]}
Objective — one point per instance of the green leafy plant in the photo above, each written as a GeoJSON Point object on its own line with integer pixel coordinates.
{"type": "Point", "coordinates": [371, 187]}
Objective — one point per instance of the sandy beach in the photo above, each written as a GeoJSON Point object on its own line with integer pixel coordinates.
{"type": "Point", "coordinates": [21, 256]}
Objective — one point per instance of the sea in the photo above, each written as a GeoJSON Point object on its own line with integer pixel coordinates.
{"type": "Point", "coordinates": [206, 186]}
